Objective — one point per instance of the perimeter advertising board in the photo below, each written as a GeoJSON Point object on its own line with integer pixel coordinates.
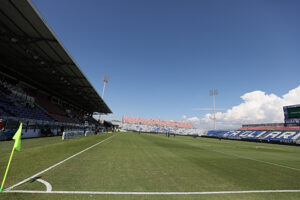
{"type": "Point", "coordinates": [292, 114]}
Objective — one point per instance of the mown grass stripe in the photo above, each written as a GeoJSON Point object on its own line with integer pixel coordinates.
{"type": "Point", "coordinates": [55, 165]}
{"type": "Point", "coordinates": [149, 193]}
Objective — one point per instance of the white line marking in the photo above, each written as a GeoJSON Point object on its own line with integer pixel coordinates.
{"type": "Point", "coordinates": [48, 185]}
{"type": "Point", "coordinates": [266, 162]}
{"type": "Point", "coordinates": [51, 167]}
{"type": "Point", "coordinates": [149, 193]}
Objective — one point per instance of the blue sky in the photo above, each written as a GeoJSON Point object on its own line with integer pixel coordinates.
{"type": "Point", "coordinates": [163, 56]}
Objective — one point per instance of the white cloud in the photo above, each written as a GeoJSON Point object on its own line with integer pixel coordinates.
{"type": "Point", "coordinates": [257, 107]}
{"type": "Point", "coordinates": [208, 109]}
{"type": "Point", "coordinates": [193, 119]}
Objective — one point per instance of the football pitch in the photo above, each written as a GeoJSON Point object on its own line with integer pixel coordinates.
{"type": "Point", "coordinates": [149, 166]}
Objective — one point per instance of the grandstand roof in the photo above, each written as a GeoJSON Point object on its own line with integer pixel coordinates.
{"type": "Point", "coordinates": [31, 52]}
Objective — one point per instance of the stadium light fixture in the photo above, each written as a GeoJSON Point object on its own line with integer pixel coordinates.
{"type": "Point", "coordinates": [213, 93]}
{"type": "Point", "coordinates": [105, 80]}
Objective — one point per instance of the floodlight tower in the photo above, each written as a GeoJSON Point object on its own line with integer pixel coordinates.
{"type": "Point", "coordinates": [213, 93]}
{"type": "Point", "coordinates": [105, 80]}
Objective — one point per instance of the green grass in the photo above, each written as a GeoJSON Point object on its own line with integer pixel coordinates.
{"type": "Point", "coordinates": [153, 163]}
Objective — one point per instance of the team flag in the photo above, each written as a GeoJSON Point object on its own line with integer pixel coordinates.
{"type": "Point", "coordinates": [17, 146]}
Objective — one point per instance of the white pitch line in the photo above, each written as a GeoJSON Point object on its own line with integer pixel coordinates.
{"type": "Point", "coordinates": [51, 167]}
{"type": "Point", "coordinates": [266, 162]}
{"type": "Point", "coordinates": [150, 193]}
{"type": "Point", "coordinates": [48, 185]}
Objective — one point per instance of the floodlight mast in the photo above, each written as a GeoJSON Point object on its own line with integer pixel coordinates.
{"type": "Point", "coordinates": [213, 93]}
{"type": "Point", "coordinates": [105, 80]}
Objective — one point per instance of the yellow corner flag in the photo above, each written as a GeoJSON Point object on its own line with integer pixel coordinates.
{"type": "Point", "coordinates": [17, 146]}
{"type": "Point", "coordinates": [17, 138]}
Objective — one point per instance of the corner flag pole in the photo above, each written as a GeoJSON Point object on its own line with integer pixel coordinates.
{"type": "Point", "coordinates": [17, 146]}
{"type": "Point", "coordinates": [11, 155]}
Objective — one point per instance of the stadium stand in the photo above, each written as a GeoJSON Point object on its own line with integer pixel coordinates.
{"type": "Point", "coordinates": [279, 136]}
{"type": "Point", "coordinates": [54, 111]}
{"type": "Point", "coordinates": [253, 128]}
{"type": "Point", "coordinates": [40, 84]}
{"type": "Point", "coordinates": [13, 108]}
{"type": "Point", "coordinates": [288, 132]}
{"type": "Point", "coordinates": [158, 126]}
{"type": "Point", "coordinates": [154, 122]}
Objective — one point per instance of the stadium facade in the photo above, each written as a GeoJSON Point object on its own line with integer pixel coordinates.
{"type": "Point", "coordinates": [40, 83]}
